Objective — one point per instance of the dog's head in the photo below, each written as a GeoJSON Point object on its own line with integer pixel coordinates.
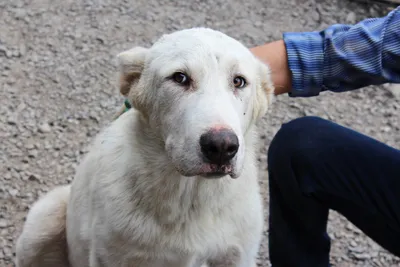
{"type": "Point", "coordinates": [202, 91]}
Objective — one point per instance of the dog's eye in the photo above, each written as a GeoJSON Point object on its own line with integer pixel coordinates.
{"type": "Point", "coordinates": [181, 78]}
{"type": "Point", "coordinates": [239, 82]}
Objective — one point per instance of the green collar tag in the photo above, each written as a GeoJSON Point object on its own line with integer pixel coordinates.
{"type": "Point", "coordinates": [128, 105]}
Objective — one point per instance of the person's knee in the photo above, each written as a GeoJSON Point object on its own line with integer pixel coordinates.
{"type": "Point", "coordinates": [293, 138]}
{"type": "Point", "coordinates": [295, 149]}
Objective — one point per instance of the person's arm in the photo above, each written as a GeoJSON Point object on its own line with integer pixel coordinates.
{"type": "Point", "coordinates": [339, 58]}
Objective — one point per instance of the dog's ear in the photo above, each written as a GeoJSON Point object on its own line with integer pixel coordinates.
{"type": "Point", "coordinates": [265, 92]}
{"type": "Point", "coordinates": [131, 64]}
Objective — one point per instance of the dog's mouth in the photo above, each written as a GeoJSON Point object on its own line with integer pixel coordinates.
{"type": "Point", "coordinates": [209, 171]}
{"type": "Point", "coordinates": [214, 175]}
{"type": "Point", "coordinates": [213, 171]}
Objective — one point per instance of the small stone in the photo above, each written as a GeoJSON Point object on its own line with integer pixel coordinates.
{"type": "Point", "coordinates": [22, 49]}
{"type": "Point", "coordinates": [258, 23]}
{"type": "Point", "coordinates": [362, 256]}
{"type": "Point", "coordinates": [349, 226]}
{"type": "Point", "coordinates": [44, 128]}
{"type": "Point", "coordinates": [316, 16]}
{"type": "Point", "coordinates": [3, 223]}
{"type": "Point", "coordinates": [351, 18]}
{"type": "Point", "coordinates": [16, 53]}
{"type": "Point", "coordinates": [7, 251]}
{"type": "Point", "coordinates": [11, 121]}
{"type": "Point", "coordinates": [15, 174]}
{"type": "Point", "coordinates": [29, 146]}
{"type": "Point", "coordinates": [393, 89]}
{"type": "Point", "coordinates": [7, 176]}
{"type": "Point", "coordinates": [13, 192]}
{"type": "Point", "coordinates": [9, 54]}
{"type": "Point", "coordinates": [33, 153]}
{"type": "Point", "coordinates": [357, 249]}
{"type": "Point", "coordinates": [338, 235]}
{"type": "Point", "coordinates": [3, 49]}
{"type": "Point", "coordinates": [11, 80]}
{"type": "Point", "coordinates": [33, 177]}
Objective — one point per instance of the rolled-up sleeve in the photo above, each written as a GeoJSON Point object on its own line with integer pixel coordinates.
{"type": "Point", "coordinates": [345, 57]}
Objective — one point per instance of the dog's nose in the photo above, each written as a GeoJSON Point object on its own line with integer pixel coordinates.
{"type": "Point", "coordinates": [219, 146]}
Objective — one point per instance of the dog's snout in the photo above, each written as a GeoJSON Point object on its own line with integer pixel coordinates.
{"type": "Point", "coordinates": [219, 146]}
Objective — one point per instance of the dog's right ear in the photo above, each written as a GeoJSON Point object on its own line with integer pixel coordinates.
{"type": "Point", "coordinates": [265, 92]}
{"type": "Point", "coordinates": [131, 64]}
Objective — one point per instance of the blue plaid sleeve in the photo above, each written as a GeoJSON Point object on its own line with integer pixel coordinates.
{"type": "Point", "coordinates": [345, 57]}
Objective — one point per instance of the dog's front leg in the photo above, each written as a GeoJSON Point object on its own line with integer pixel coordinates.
{"type": "Point", "coordinates": [179, 261]}
{"type": "Point", "coordinates": [97, 260]}
{"type": "Point", "coordinates": [248, 255]}
{"type": "Point", "coordinates": [94, 259]}
{"type": "Point", "coordinates": [248, 259]}
{"type": "Point", "coordinates": [235, 256]}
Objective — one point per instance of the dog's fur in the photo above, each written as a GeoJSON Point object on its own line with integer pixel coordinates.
{"type": "Point", "coordinates": [42, 242]}
{"type": "Point", "coordinates": [141, 196]}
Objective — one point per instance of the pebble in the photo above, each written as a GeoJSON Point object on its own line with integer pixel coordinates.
{"type": "Point", "coordinates": [349, 226]}
{"type": "Point", "coordinates": [357, 249]}
{"type": "Point", "coordinates": [11, 121]}
{"type": "Point", "coordinates": [44, 128]}
{"type": "Point", "coordinates": [351, 18]}
{"type": "Point", "coordinates": [7, 252]}
{"type": "Point", "coordinates": [3, 49]}
{"type": "Point", "coordinates": [29, 145]}
{"type": "Point", "coordinates": [353, 243]}
{"type": "Point", "coordinates": [33, 153]}
{"type": "Point", "coordinates": [362, 256]}
{"type": "Point", "coordinates": [394, 90]}
{"type": "Point", "coordinates": [7, 176]}
{"type": "Point", "coordinates": [13, 192]}
{"type": "Point", "coordinates": [33, 177]}
{"type": "Point", "coordinates": [3, 223]}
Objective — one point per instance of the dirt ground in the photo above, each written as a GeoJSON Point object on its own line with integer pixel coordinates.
{"type": "Point", "coordinates": [58, 88]}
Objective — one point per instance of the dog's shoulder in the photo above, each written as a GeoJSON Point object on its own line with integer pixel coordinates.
{"type": "Point", "coordinates": [120, 139]}
{"type": "Point", "coordinates": [111, 152]}
{"type": "Point", "coordinates": [121, 152]}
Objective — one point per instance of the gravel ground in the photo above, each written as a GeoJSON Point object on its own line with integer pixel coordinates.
{"type": "Point", "coordinates": [58, 88]}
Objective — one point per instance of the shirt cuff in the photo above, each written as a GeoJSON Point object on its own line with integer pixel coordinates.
{"type": "Point", "coordinates": [305, 52]}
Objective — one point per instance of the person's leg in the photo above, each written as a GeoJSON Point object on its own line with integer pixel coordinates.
{"type": "Point", "coordinates": [316, 165]}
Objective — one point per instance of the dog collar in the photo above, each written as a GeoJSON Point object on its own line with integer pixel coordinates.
{"type": "Point", "coordinates": [128, 105]}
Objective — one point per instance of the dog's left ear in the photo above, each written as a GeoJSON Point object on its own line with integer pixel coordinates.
{"type": "Point", "coordinates": [131, 64]}
{"type": "Point", "coordinates": [265, 92]}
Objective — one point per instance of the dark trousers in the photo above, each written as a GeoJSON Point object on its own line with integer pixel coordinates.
{"type": "Point", "coordinates": [316, 165]}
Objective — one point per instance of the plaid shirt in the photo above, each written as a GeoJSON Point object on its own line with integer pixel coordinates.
{"type": "Point", "coordinates": [345, 57]}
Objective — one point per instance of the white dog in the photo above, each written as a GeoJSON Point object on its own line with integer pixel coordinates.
{"type": "Point", "coordinates": [172, 182]}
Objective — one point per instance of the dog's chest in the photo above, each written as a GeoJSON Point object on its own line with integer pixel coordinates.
{"type": "Point", "coordinates": [193, 218]}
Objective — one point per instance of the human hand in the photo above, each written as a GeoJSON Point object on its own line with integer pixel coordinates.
{"type": "Point", "coordinates": [275, 56]}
